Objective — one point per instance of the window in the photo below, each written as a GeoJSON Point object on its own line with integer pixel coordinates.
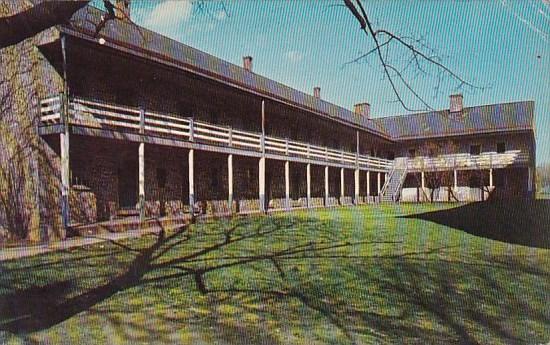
{"type": "Point", "coordinates": [501, 147]}
{"type": "Point", "coordinates": [412, 153]}
{"type": "Point", "coordinates": [475, 150]}
{"type": "Point", "coordinates": [391, 155]}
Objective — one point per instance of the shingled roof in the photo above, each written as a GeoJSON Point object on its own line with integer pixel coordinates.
{"type": "Point", "coordinates": [139, 41]}
{"type": "Point", "coordinates": [473, 120]}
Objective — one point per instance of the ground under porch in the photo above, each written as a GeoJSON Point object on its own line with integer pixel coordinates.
{"type": "Point", "coordinates": [466, 185]}
{"type": "Point", "coordinates": [105, 182]}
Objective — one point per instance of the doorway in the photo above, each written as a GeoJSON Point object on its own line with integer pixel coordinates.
{"type": "Point", "coordinates": [127, 185]}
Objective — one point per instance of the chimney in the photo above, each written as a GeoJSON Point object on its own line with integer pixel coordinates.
{"type": "Point", "coordinates": [317, 92]}
{"type": "Point", "coordinates": [362, 109]}
{"type": "Point", "coordinates": [122, 9]}
{"type": "Point", "coordinates": [247, 63]}
{"type": "Point", "coordinates": [456, 103]}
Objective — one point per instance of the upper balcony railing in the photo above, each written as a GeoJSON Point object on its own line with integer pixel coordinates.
{"type": "Point", "coordinates": [466, 161]}
{"type": "Point", "coordinates": [94, 114]}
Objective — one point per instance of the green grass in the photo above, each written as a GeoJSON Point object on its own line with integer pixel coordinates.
{"type": "Point", "coordinates": [342, 276]}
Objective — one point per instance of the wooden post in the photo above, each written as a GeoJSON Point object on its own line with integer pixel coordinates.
{"type": "Point", "coordinates": [141, 168]}
{"type": "Point", "coordinates": [356, 174]}
{"type": "Point", "coordinates": [379, 184]}
{"type": "Point", "coordinates": [423, 178]}
{"type": "Point", "coordinates": [308, 184]}
{"type": "Point", "coordinates": [357, 149]}
{"type": "Point", "coordinates": [262, 143]}
{"type": "Point", "coordinates": [287, 184]}
{"type": "Point", "coordinates": [261, 181]}
{"type": "Point", "coordinates": [455, 177]}
{"type": "Point", "coordinates": [368, 185]}
{"type": "Point", "coordinates": [191, 162]}
{"type": "Point", "coordinates": [230, 182]}
{"type": "Point", "coordinates": [356, 199]}
{"type": "Point", "coordinates": [65, 180]}
{"type": "Point", "coordinates": [327, 196]}
{"type": "Point", "coordinates": [286, 146]}
{"type": "Point", "coordinates": [342, 186]}
{"type": "Point", "coordinates": [261, 165]}
{"type": "Point", "coordinates": [191, 129]}
{"type": "Point", "coordinates": [64, 145]}
{"type": "Point", "coordinates": [491, 177]}
{"type": "Point", "coordinates": [141, 181]}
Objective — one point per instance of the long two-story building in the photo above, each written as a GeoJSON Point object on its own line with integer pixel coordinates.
{"type": "Point", "coordinates": [132, 123]}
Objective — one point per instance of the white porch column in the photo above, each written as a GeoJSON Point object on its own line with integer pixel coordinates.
{"type": "Point", "coordinates": [368, 185]}
{"type": "Point", "coordinates": [423, 178]}
{"type": "Point", "coordinates": [191, 161]}
{"type": "Point", "coordinates": [326, 186]}
{"type": "Point", "coordinates": [65, 179]}
{"type": "Point", "coordinates": [356, 198]}
{"type": "Point", "coordinates": [308, 183]}
{"type": "Point", "coordinates": [342, 186]}
{"type": "Point", "coordinates": [141, 166]}
{"type": "Point", "coordinates": [491, 177]}
{"type": "Point", "coordinates": [141, 180]}
{"type": "Point", "coordinates": [379, 184]}
{"type": "Point", "coordinates": [261, 180]}
{"type": "Point", "coordinates": [287, 184]}
{"type": "Point", "coordinates": [191, 165]}
{"type": "Point", "coordinates": [455, 173]}
{"type": "Point", "coordinates": [230, 182]}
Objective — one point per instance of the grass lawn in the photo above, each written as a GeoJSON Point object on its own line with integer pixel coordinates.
{"type": "Point", "coordinates": [383, 274]}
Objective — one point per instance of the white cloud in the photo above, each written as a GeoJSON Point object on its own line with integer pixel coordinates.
{"type": "Point", "coordinates": [294, 55]}
{"type": "Point", "coordinates": [168, 16]}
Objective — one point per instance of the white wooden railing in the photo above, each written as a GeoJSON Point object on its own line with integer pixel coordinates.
{"type": "Point", "coordinates": [466, 161]}
{"type": "Point", "coordinates": [96, 114]}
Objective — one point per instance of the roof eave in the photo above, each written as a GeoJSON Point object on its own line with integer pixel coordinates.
{"type": "Point", "coordinates": [159, 58]}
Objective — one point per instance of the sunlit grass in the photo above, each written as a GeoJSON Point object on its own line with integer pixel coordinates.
{"type": "Point", "coordinates": [335, 276]}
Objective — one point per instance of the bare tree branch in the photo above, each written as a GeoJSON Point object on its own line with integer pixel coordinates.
{"type": "Point", "coordinates": [421, 56]}
{"type": "Point", "coordinates": [29, 22]}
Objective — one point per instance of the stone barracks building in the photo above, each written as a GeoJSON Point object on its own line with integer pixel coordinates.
{"type": "Point", "coordinates": [128, 123]}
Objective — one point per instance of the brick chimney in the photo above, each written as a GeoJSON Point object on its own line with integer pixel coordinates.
{"type": "Point", "coordinates": [456, 103]}
{"type": "Point", "coordinates": [122, 9]}
{"type": "Point", "coordinates": [247, 63]}
{"type": "Point", "coordinates": [362, 109]}
{"type": "Point", "coordinates": [317, 92]}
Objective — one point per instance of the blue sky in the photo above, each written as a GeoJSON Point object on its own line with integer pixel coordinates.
{"type": "Point", "coordinates": [501, 46]}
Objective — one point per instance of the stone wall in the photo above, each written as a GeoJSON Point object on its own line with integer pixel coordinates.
{"type": "Point", "coordinates": [29, 176]}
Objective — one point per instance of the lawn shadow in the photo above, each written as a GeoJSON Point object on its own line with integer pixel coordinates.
{"type": "Point", "coordinates": [57, 302]}
{"type": "Point", "coordinates": [301, 275]}
{"type": "Point", "coordinates": [525, 222]}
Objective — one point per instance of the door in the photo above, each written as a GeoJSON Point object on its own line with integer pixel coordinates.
{"type": "Point", "coordinates": [127, 185]}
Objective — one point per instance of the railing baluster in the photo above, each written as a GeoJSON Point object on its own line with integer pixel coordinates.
{"type": "Point", "coordinates": [191, 129]}
{"type": "Point", "coordinates": [286, 146]}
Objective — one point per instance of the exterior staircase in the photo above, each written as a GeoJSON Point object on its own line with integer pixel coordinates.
{"type": "Point", "coordinates": [391, 191]}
